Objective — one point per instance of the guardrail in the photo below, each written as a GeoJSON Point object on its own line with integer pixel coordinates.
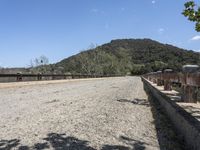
{"type": "Point", "coordinates": [188, 80]}
{"type": "Point", "coordinates": [39, 77]}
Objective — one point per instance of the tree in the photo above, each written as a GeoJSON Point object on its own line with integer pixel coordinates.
{"type": "Point", "coordinates": [40, 61]}
{"type": "Point", "coordinates": [192, 12]}
{"type": "Point", "coordinates": [40, 65]}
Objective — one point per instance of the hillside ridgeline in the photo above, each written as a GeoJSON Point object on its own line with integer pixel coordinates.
{"type": "Point", "coordinates": [125, 56]}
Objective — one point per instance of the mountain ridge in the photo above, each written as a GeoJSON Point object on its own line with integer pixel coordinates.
{"type": "Point", "coordinates": [123, 56]}
{"type": "Point", "coordinates": [129, 56]}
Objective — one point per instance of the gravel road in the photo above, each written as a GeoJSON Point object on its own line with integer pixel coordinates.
{"type": "Point", "coordinates": [104, 114]}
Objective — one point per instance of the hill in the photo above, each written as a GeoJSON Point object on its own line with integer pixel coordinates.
{"type": "Point", "coordinates": [134, 56]}
{"type": "Point", "coordinates": [125, 56]}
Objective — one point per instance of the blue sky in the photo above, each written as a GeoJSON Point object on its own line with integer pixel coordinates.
{"type": "Point", "coordinates": [61, 28]}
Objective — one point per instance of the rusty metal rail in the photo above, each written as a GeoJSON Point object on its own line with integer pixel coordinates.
{"type": "Point", "coordinates": [189, 83]}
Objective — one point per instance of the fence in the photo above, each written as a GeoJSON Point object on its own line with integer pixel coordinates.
{"type": "Point", "coordinates": [39, 77]}
{"type": "Point", "coordinates": [188, 81]}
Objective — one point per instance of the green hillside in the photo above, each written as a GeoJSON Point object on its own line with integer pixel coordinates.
{"type": "Point", "coordinates": [126, 56]}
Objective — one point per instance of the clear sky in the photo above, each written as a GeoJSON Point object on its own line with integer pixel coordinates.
{"type": "Point", "coordinates": [61, 28]}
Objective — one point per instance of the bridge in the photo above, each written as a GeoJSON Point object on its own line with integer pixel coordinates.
{"type": "Point", "coordinates": [115, 113]}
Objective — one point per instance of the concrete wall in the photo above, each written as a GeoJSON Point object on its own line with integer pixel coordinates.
{"type": "Point", "coordinates": [186, 125]}
{"type": "Point", "coordinates": [35, 77]}
{"type": "Point", "coordinates": [8, 79]}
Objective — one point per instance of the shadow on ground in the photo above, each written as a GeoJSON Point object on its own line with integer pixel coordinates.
{"type": "Point", "coordinates": [63, 142]}
{"type": "Point", "coordinates": [53, 140]}
{"type": "Point", "coordinates": [9, 144]}
{"type": "Point", "coordinates": [136, 101]}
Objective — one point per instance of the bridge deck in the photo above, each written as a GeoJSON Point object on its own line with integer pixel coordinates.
{"type": "Point", "coordinates": [86, 114]}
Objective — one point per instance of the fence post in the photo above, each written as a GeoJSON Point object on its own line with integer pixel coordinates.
{"type": "Point", "coordinates": [39, 76]}
{"type": "Point", "coordinates": [166, 78]}
{"type": "Point", "coordinates": [188, 91]}
{"type": "Point", "coordinates": [19, 76]}
{"type": "Point", "coordinates": [159, 78]}
{"type": "Point", "coordinates": [150, 77]}
{"type": "Point", "coordinates": [154, 75]}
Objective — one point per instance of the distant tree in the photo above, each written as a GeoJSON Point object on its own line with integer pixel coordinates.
{"type": "Point", "coordinates": [192, 12]}
{"type": "Point", "coordinates": [92, 46]}
{"type": "Point", "coordinates": [158, 65]}
{"type": "Point", "coordinates": [89, 60]}
{"type": "Point", "coordinates": [42, 60]}
{"type": "Point", "coordinates": [40, 65]}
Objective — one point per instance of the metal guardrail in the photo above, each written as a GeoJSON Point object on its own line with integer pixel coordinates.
{"type": "Point", "coordinates": [189, 81]}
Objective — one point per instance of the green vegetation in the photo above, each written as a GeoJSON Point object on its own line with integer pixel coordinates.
{"type": "Point", "coordinates": [128, 56]}
{"type": "Point", "coordinates": [192, 12]}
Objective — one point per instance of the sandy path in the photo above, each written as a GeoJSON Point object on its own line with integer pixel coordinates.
{"type": "Point", "coordinates": [109, 113]}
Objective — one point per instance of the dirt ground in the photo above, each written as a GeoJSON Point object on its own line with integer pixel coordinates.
{"type": "Point", "coordinates": [104, 114]}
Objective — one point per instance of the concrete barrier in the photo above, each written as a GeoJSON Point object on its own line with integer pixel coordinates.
{"type": "Point", "coordinates": [39, 77]}
{"type": "Point", "coordinates": [186, 125]}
